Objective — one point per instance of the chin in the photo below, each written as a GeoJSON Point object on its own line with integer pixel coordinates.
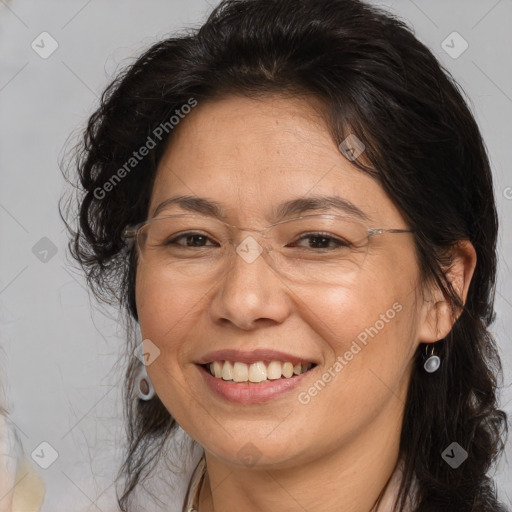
{"type": "Point", "coordinates": [258, 453]}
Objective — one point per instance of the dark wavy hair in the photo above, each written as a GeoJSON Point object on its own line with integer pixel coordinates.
{"type": "Point", "coordinates": [377, 81]}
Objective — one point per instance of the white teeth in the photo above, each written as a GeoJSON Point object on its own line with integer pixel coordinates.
{"type": "Point", "coordinates": [240, 372]}
{"type": "Point", "coordinates": [256, 372]}
{"type": "Point", "coordinates": [287, 370]}
{"type": "Point", "coordinates": [274, 370]}
{"type": "Point", "coordinates": [227, 371]}
{"type": "Point", "coordinates": [217, 369]}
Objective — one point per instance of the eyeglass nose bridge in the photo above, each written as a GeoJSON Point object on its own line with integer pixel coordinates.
{"type": "Point", "coordinates": [254, 243]}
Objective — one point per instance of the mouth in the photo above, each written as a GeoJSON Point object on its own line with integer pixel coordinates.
{"type": "Point", "coordinates": [259, 372]}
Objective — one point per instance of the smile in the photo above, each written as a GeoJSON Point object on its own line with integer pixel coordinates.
{"type": "Point", "coordinates": [257, 372]}
{"type": "Point", "coordinates": [245, 391]}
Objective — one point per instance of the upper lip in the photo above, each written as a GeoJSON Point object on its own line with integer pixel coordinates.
{"type": "Point", "coordinates": [252, 356]}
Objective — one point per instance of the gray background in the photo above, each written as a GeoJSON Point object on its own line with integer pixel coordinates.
{"type": "Point", "coordinates": [58, 350]}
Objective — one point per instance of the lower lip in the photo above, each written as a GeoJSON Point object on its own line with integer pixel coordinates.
{"type": "Point", "coordinates": [250, 392]}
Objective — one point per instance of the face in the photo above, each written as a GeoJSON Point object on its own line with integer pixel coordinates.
{"type": "Point", "coordinates": [250, 156]}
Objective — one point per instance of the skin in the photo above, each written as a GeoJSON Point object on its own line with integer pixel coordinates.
{"type": "Point", "coordinates": [337, 452]}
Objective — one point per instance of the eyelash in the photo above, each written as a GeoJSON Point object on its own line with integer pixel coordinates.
{"type": "Point", "coordinates": [339, 242]}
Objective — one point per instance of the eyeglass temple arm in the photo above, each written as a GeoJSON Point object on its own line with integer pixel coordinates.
{"type": "Point", "coordinates": [130, 232]}
{"type": "Point", "coordinates": [380, 231]}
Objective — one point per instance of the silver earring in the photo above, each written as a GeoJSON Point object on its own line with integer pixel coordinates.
{"type": "Point", "coordinates": [432, 362]}
{"type": "Point", "coordinates": [144, 387]}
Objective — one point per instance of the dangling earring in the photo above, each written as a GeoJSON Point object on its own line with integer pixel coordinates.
{"type": "Point", "coordinates": [432, 362]}
{"type": "Point", "coordinates": [144, 387]}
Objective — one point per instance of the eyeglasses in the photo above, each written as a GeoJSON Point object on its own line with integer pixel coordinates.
{"type": "Point", "coordinates": [323, 249]}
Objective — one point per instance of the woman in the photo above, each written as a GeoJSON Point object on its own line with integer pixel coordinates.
{"type": "Point", "coordinates": [295, 205]}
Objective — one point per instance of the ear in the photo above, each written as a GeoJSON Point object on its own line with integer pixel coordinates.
{"type": "Point", "coordinates": [438, 316]}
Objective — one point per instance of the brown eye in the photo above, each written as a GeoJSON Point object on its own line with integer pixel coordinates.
{"type": "Point", "coordinates": [192, 240]}
{"type": "Point", "coordinates": [322, 240]}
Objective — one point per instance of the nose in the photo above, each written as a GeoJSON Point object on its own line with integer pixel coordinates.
{"type": "Point", "coordinates": [250, 291]}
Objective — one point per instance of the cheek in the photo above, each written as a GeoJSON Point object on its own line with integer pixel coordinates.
{"type": "Point", "coordinates": [167, 318]}
{"type": "Point", "coordinates": [370, 324]}
{"type": "Point", "coordinates": [368, 335]}
{"type": "Point", "coordinates": [166, 314]}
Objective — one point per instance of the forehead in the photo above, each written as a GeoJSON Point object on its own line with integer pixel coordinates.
{"type": "Point", "coordinates": [254, 155]}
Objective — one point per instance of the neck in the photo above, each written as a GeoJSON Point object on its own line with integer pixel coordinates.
{"type": "Point", "coordinates": [352, 478]}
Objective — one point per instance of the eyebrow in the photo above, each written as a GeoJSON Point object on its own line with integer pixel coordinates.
{"type": "Point", "coordinates": [297, 206]}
